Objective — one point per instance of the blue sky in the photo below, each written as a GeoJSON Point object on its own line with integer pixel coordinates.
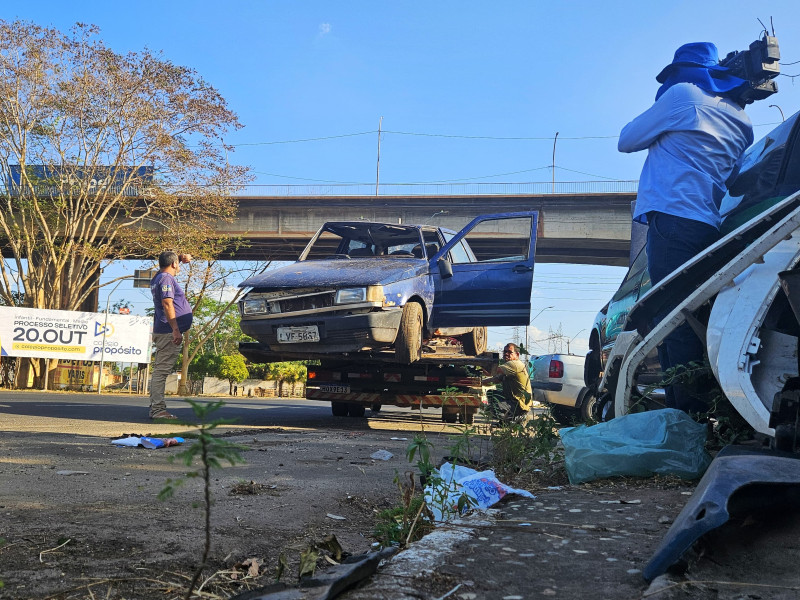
{"type": "Point", "coordinates": [460, 76]}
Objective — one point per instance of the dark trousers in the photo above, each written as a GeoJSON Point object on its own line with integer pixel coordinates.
{"type": "Point", "coordinates": [671, 241]}
{"type": "Point", "coordinates": [505, 410]}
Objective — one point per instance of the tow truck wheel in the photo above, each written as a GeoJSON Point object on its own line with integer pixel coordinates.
{"type": "Point", "coordinates": [475, 341]}
{"type": "Point", "coordinates": [339, 409]}
{"type": "Point", "coordinates": [466, 418]}
{"type": "Point", "coordinates": [376, 407]}
{"type": "Point", "coordinates": [356, 410]}
{"type": "Point", "coordinates": [449, 417]}
{"type": "Point", "coordinates": [409, 335]}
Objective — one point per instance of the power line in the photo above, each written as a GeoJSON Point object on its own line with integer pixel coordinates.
{"type": "Point", "coordinates": [314, 139]}
{"type": "Point", "coordinates": [491, 137]}
{"type": "Point", "coordinates": [447, 135]}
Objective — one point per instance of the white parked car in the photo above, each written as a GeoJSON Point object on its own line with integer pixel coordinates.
{"type": "Point", "coordinates": [557, 380]}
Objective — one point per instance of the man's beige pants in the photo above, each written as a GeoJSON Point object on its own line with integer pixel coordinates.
{"type": "Point", "coordinates": [166, 354]}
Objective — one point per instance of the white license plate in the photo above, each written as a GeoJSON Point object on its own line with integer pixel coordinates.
{"type": "Point", "coordinates": [295, 335]}
{"type": "Point", "coordinates": [334, 389]}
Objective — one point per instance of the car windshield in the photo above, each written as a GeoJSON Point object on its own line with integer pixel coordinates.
{"type": "Point", "coordinates": [356, 240]}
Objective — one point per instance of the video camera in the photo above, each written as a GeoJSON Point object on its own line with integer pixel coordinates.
{"type": "Point", "coordinates": [759, 66]}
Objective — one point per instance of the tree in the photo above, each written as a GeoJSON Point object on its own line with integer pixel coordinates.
{"type": "Point", "coordinates": [104, 156]}
{"type": "Point", "coordinates": [290, 372]}
{"type": "Point", "coordinates": [233, 369]}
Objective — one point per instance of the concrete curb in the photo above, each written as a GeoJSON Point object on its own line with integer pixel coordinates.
{"type": "Point", "coordinates": [395, 579]}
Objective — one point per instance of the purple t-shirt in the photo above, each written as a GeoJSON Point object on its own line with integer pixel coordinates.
{"type": "Point", "coordinates": [164, 285]}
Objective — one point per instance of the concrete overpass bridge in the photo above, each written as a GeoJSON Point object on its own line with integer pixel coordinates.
{"type": "Point", "coordinates": [582, 228]}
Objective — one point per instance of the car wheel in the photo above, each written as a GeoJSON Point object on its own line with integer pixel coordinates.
{"type": "Point", "coordinates": [376, 408]}
{"type": "Point", "coordinates": [339, 409]}
{"type": "Point", "coordinates": [475, 341]}
{"type": "Point", "coordinates": [356, 410]}
{"type": "Point", "coordinates": [588, 404]}
{"type": "Point", "coordinates": [562, 414]}
{"type": "Point", "coordinates": [409, 336]}
{"type": "Point", "coordinates": [591, 368]}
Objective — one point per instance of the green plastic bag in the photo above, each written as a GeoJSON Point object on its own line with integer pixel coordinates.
{"type": "Point", "coordinates": [667, 442]}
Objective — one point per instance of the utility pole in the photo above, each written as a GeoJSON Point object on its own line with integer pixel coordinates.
{"type": "Point", "coordinates": [555, 139]}
{"type": "Point", "coordinates": [378, 169]}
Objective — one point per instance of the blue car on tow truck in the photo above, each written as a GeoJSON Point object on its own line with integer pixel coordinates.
{"type": "Point", "coordinates": [393, 289]}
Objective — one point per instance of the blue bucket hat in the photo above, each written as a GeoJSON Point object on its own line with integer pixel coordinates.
{"type": "Point", "coordinates": [698, 63]}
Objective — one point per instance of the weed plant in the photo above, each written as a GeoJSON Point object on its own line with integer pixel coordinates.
{"type": "Point", "coordinates": [211, 452]}
{"type": "Point", "coordinates": [725, 425]}
{"type": "Point", "coordinates": [521, 447]}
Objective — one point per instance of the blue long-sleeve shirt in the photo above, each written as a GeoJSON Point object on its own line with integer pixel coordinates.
{"type": "Point", "coordinates": [693, 139]}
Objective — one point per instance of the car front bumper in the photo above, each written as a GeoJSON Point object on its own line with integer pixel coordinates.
{"type": "Point", "coordinates": [337, 333]}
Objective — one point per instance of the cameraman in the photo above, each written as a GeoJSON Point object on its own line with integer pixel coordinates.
{"type": "Point", "coordinates": [694, 134]}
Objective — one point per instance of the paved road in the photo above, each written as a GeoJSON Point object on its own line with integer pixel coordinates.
{"type": "Point", "coordinates": [108, 415]}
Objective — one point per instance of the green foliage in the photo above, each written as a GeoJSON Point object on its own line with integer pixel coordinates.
{"type": "Point", "coordinates": [291, 372]}
{"type": "Point", "coordinates": [393, 527]}
{"type": "Point", "coordinates": [204, 365]}
{"type": "Point", "coordinates": [233, 368]}
{"type": "Point", "coordinates": [420, 447]}
{"type": "Point", "coordinates": [517, 445]}
{"type": "Point", "coordinates": [726, 425]}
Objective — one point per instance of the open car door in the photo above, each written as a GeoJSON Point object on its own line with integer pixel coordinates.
{"type": "Point", "coordinates": [480, 282]}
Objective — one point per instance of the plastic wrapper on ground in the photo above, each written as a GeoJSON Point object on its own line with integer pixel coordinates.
{"type": "Point", "coordinates": [482, 488]}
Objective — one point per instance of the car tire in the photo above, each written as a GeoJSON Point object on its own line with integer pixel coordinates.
{"type": "Point", "coordinates": [562, 414]}
{"type": "Point", "coordinates": [408, 344]}
{"type": "Point", "coordinates": [376, 408]}
{"type": "Point", "coordinates": [339, 409]}
{"type": "Point", "coordinates": [591, 368]}
{"type": "Point", "coordinates": [588, 404]}
{"type": "Point", "coordinates": [356, 410]}
{"type": "Point", "coordinates": [475, 342]}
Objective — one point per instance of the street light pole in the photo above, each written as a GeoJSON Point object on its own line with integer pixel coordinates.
{"type": "Point", "coordinates": [573, 338]}
{"type": "Point", "coordinates": [105, 329]}
{"type": "Point", "coordinates": [531, 321]}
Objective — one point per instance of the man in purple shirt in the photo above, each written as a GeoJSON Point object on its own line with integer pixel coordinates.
{"type": "Point", "coordinates": [173, 318]}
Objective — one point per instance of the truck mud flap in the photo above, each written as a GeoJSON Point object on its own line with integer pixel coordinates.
{"type": "Point", "coordinates": [738, 482]}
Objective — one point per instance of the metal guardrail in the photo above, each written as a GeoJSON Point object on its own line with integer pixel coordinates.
{"type": "Point", "coordinates": [389, 189]}
{"type": "Point", "coordinates": [441, 189]}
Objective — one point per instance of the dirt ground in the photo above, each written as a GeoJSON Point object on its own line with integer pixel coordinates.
{"type": "Point", "coordinates": [81, 519]}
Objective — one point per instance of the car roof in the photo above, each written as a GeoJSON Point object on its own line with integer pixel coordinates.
{"type": "Point", "coordinates": [354, 226]}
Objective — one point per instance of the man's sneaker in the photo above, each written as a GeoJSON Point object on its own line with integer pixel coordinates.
{"type": "Point", "coordinates": [162, 414]}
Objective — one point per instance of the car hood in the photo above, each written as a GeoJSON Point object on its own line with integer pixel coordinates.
{"type": "Point", "coordinates": [339, 273]}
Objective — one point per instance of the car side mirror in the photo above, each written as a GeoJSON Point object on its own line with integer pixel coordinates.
{"type": "Point", "coordinates": [445, 268]}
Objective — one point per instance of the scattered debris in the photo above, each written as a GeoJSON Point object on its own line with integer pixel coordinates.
{"type": "Point", "coordinates": [72, 472]}
{"type": "Point", "coordinates": [381, 455]}
{"type": "Point", "coordinates": [251, 566]}
{"type": "Point", "coordinates": [151, 443]}
{"type": "Point", "coordinates": [336, 517]}
{"type": "Point", "coordinates": [460, 488]}
{"type": "Point", "coordinates": [325, 586]}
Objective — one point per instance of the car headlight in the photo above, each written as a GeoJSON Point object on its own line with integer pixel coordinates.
{"type": "Point", "coordinates": [350, 295]}
{"type": "Point", "coordinates": [255, 306]}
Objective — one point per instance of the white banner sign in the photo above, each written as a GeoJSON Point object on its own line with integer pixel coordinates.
{"type": "Point", "coordinates": [74, 335]}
